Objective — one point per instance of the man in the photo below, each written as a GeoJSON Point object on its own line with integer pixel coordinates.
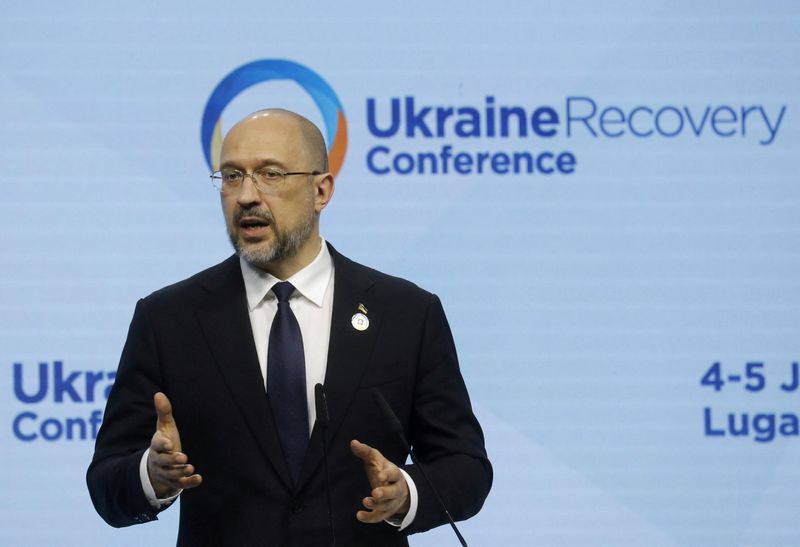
{"type": "Point", "coordinates": [214, 396]}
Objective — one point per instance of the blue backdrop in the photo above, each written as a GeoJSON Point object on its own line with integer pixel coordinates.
{"type": "Point", "coordinates": [604, 196]}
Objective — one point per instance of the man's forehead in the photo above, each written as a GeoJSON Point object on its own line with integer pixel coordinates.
{"type": "Point", "coordinates": [279, 135]}
{"type": "Point", "coordinates": [259, 124]}
{"type": "Point", "coordinates": [264, 135]}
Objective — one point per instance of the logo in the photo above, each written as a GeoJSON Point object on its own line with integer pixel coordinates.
{"type": "Point", "coordinates": [263, 71]}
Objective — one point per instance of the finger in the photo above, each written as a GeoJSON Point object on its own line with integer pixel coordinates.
{"type": "Point", "coordinates": [362, 451]}
{"type": "Point", "coordinates": [192, 481]}
{"type": "Point", "coordinates": [176, 483]}
{"type": "Point", "coordinates": [388, 502]}
{"type": "Point", "coordinates": [164, 410]}
{"type": "Point", "coordinates": [372, 457]}
{"type": "Point", "coordinates": [389, 473]}
{"type": "Point", "coordinates": [161, 443]}
{"type": "Point", "coordinates": [377, 514]}
{"type": "Point", "coordinates": [171, 475]}
{"type": "Point", "coordinates": [388, 492]}
{"type": "Point", "coordinates": [170, 468]}
{"type": "Point", "coordinates": [169, 459]}
{"type": "Point", "coordinates": [372, 517]}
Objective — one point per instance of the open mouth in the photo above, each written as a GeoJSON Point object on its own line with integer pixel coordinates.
{"type": "Point", "coordinates": [251, 222]}
{"type": "Point", "coordinates": [253, 226]}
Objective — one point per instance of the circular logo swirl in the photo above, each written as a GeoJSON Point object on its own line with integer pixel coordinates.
{"type": "Point", "coordinates": [274, 69]}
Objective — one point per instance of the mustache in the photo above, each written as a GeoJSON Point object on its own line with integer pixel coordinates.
{"type": "Point", "coordinates": [254, 212]}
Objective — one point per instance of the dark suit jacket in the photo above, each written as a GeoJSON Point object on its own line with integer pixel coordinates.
{"type": "Point", "coordinates": [193, 341]}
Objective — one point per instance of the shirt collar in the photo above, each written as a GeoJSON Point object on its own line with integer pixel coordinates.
{"type": "Point", "coordinates": [311, 282]}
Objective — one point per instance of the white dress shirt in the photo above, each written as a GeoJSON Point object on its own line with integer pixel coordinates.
{"type": "Point", "coordinates": [312, 305]}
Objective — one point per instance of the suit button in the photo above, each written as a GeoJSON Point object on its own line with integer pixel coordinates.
{"type": "Point", "coordinates": [297, 506]}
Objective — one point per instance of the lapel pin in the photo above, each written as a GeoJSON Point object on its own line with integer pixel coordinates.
{"type": "Point", "coordinates": [360, 321]}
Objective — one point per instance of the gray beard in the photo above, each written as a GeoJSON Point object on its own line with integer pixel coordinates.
{"type": "Point", "coordinates": [286, 245]}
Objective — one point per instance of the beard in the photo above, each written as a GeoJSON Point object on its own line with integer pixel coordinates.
{"type": "Point", "coordinates": [285, 244]}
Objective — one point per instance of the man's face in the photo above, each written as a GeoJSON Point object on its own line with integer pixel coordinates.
{"type": "Point", "coordinates": [268, 228]}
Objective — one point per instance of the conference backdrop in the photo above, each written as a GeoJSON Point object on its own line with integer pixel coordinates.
{"type": "Point", "coordinates": [604, 195]}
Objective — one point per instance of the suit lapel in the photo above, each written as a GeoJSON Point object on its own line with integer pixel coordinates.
{"type": "Point", "coordinates": [349, 350]}
{"type": "Point", "coordinates": [222, 313]}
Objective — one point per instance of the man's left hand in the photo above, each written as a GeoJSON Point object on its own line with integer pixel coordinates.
{"type": "Point", "coordinates": [389, 496]}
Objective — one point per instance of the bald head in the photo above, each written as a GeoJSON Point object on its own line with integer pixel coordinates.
{"type": "Point", "coordinates": [303, 138]}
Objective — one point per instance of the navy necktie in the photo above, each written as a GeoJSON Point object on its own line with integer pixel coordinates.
{"type": "Point", "coordinates": [286, 381]}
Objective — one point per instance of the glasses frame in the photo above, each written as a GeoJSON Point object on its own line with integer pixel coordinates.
{"type": "Point", "coordinates": [219, 185]}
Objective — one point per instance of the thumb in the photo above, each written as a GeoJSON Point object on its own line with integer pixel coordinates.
{"type": "Point", "coordinates": [164, 411]}
{"type": "Point", "coordinates": [362, 451]}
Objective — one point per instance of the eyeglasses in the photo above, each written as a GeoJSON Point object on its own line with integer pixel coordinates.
{"type": "Point", "coordinates": [267, 179]}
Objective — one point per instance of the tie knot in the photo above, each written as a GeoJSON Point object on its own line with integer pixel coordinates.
{"type": "Point", "coordinates": [283, 290]}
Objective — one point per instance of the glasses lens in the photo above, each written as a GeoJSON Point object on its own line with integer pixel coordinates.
{"type": "Point", "coordinates": [231, 178]}
{"type": "Point", "coordinates": [268, 177]}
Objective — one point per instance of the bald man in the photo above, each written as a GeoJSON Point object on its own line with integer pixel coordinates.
{"type": "Point", "coordinates": [214, 403]}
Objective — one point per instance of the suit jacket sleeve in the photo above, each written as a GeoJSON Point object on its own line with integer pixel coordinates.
{"type": "Point", "coordinates": [444, 432]}
{"type": "Point", "coordinates": [128, 424]}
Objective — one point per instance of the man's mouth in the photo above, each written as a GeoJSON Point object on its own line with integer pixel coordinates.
{"type": "Point", "coordinates": [253, 226]}
{"type": "Point", "coordinates": [253, 222]}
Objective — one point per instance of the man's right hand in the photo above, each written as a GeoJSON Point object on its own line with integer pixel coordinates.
{"type": "Point", "coordinates": [168, 468]}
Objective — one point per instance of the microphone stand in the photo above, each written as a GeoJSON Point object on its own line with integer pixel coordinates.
{"type": "Point", "coordinates": [398, 428]}
{"type": "Point", "coordinates": [322, 419]}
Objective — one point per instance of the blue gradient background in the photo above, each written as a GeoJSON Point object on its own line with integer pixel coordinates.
{"type": "Point", "coordinates": [585, 308]}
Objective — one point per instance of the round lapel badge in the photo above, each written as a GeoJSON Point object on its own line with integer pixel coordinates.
{"type": "Point", "coordinates": [360, 322]}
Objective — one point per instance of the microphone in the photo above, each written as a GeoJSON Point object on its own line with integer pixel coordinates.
{"type": "Point", "coordinates": [322, 405]}
{"type": "Point", "coordinates": [397, 427]}
{"type": "Point", "coordinates": [323, 418]}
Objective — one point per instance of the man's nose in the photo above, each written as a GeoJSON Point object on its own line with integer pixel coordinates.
{"type": "Point", "coordinates": [248, 193]}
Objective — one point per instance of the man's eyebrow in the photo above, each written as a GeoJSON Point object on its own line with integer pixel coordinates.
{"type": "Point", "coordinates": [267, 162]}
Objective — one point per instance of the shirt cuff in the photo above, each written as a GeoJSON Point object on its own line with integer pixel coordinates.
{"type": "Point", "coordinates": [413, 499]}
{"type": "Point", "coordinates": [149, 492]}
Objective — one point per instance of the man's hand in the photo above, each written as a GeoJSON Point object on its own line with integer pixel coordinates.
{"type": "Point", "coordinates": [168, 468]}
{"type": "Point", "coordinates": [389, 496]}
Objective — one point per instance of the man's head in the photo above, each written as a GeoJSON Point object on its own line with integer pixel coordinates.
{"type": "Point", "coordinates": [276, 227]}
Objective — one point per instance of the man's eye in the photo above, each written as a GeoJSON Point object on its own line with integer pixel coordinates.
{"type": "Point", "coordinates": [271, 175]}
{"type": "Point", "coordinates": [231, 176]}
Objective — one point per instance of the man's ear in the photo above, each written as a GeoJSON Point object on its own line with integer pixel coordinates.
{"type": "Point", "coordinates": [323, 191]}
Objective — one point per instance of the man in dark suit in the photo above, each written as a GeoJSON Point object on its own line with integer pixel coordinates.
{"type": "Point", "coordinates": [189, 414]}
